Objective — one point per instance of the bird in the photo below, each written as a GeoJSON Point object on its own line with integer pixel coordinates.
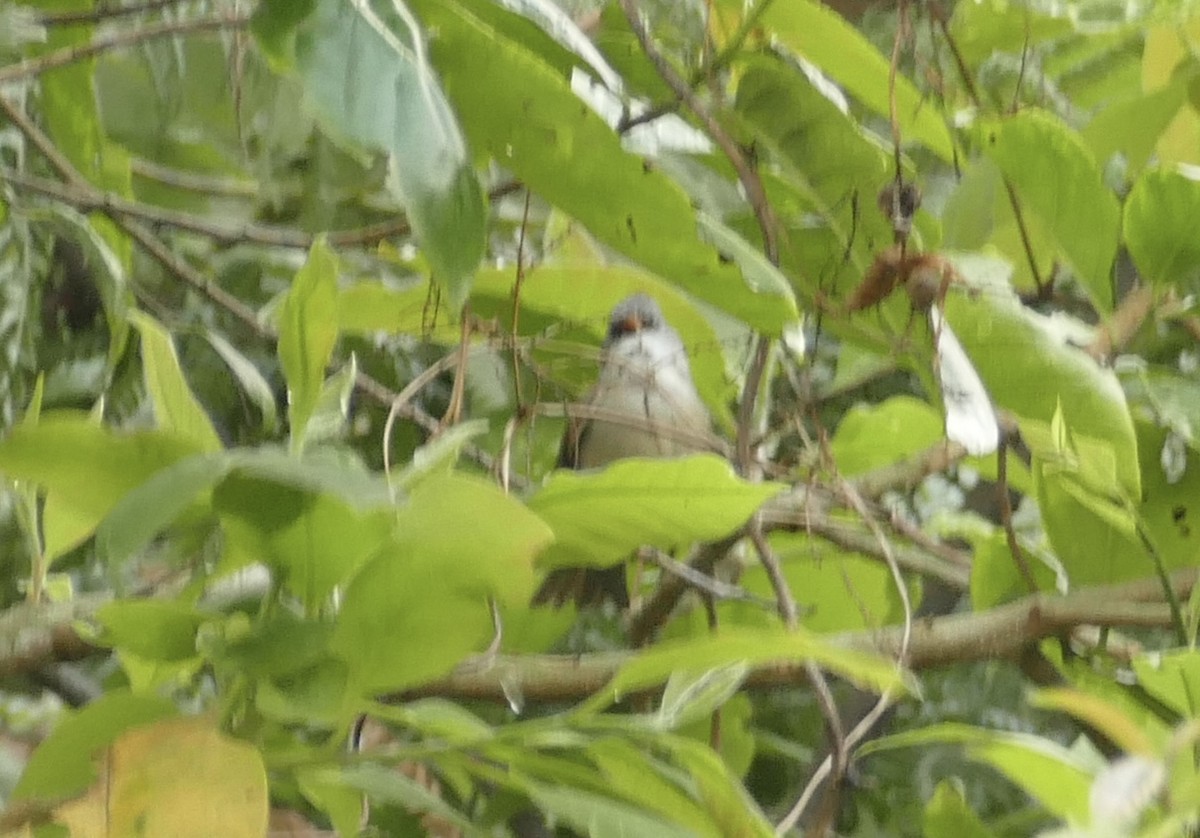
{"type": "Point", "coordinates": [644, 404]}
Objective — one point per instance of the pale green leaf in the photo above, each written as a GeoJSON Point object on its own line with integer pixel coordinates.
{"type": "Point", "coordinates": [365, 71]}
{"type": "Point", "coordinates": [824, 37]}
{"type": "Point", "coordinates": [565, 153]}
{"type": "Point", "coordinates": [253, 383]}
{"type": "Point", "coordinates": [175, 407]}
{"type": "Point", "coordinates": [599, 518]}
{"type": "Point", "coordinates": [307, 333]}
{"type": "Point", "coordinates": [1158, 228]}
{"type": "Point", "coordinates": [1057, 181]}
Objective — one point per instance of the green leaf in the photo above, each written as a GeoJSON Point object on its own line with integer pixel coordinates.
{"type": "Point", "coordinates": [382, 785]}
{"type": "Point", "coordinates": [834, 589]}
{"type": "Point", "coordinates": [253, 383]}
{"type": "Point", "coordinates": [276, 644]}
{"type": "Point", "coordinates": [458, 541]}
{"type": "Point", "coordinates": [689, 696]}
{"type": "Point", "coordinates": [1132, 126]}
{"type": "Point", "coordinates": [307, 333]}
{"type": "Point", "coordinates": [315, 694]}
{"type": "Point", "coordinates": [1049, 772]}
{"type": "Point", "coordinates": [1172, 677]}
{"type": "Point", "coordinates": [315, 541]}
{"type": "Point", "coordinates": [323, 470]}
{"type": "Point", "coordinates": [85, 470]}
{"type": "Point", "coordinates": [725, 799]}
{"type": "Point", "coordinates": [564, 152]}
{"type": "Point", "coordinates": [823, 37]}
{"type": "Point", "coordinates": [826, 158]}
{"type": "Point", "coordinates": [149, 508]}
{"type": "Point", "coordinates": [751, 647]}
{"type": "Point", "coordinates": [1057, 181]}
{"type": "Point", "coordinates": [871, 436]}
{"type": "Point", "coordinates": [62, 765]}
{"type": "Point", "coordinates": [365, 72]}
{"type": "Point", "coordinates": [599, 518]}
{"type": "Point", "coordinates": [274, 26]}
{"type": "Point", "coordinates": [947, 815]}
{"type": "Point", "coordinates": [596, 814]}
{"type": "Point", "coordinates": [152, 629]}
{"type": "Point", "coordinates": [332, 410]}
{"type": "Point", "coordinates": [1012, 346]}
{"type": "Point", "coordinates": [175, 407]}
{"type": "Point", "coordinates": [1160, 239]}
{"type": "Point", "coordinates": [628, 773]}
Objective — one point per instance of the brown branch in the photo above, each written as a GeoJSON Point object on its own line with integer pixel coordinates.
{"type": "Point", "coordinates": [33, 635]}
{"type": "Point", "coordinates": [106, 13]}
{"type": "Point", "coordinates": [118, 40]}
{"type": "Point", "coordinates": [86, 198]}
{"type": "Point", "coordinates": [1001, 632]}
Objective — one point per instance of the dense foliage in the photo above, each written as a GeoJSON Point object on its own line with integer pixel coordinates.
{"type": "Point", "coordinates": [295, 299]}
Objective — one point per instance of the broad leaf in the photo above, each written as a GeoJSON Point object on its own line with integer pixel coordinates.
{"type": "Point", "coordinates": [364, 68]}
{"type": "Point", "coordinates": [85, 470]}
{"type": "Point", "coordinates": [1057, 182]}
{"type": "Point", "coordinates": [459, 541]}
{"type": "Point", "coordinates": [307, 333]}
{"type": "Point", "coordinates": [599, 518]}
{"type": "Point", "coordinates": [1158, 234]}
{"type": "Point", "coordinates": [566, 153]}
{"type": "Point", "coordinates": [175, 406]}
{"type": "Point", "coordinates": [825, 38]}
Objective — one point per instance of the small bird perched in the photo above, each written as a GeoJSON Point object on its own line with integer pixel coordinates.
{"type": "Point", "coordinates": [644, 404]}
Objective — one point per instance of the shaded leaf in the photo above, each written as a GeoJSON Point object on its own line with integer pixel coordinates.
{"type": "Point", "coordinates": [365, 72]}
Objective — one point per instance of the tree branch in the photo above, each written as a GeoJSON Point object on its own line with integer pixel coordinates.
{"type": "Point", "coordinates": [118, 40]}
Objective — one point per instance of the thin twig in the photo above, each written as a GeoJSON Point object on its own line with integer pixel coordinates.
{"type": "Point", "coordinates": [207, 184]}
{"type": "Point", "coordinates": [410, 390]}
{"type": "Point", "coordinates": [1006, 513]}
{"type": "Point", "coordinates": [86, 198]}
{"type": "Point", "coordinates": [118, 40]}
{"type": "Point", "coordinates": [785, 603]}
{"type": "Point", "coordinates": [708, 585]}
{"type": "Point", "coordinates": [106, 13]}
{"type": "Point", "coordinates": [856, 502]}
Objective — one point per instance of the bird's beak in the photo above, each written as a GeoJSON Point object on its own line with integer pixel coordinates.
{"type": "Point", "coordinates": [631, 324]}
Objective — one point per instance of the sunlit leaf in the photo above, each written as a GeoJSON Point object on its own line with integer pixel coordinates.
{"type": "Point", "coordinates": [566, 153]}
{"type": "Point", "coordinates": [599, 518]}
{"type": "Point", "coordinates": [825, 38]}
{"type": "Point", "coordinates": [175, 406]}
{"type": "Point", "coordinates": [1057, 181]}
{"type": "Point", "coordinates": [307, 332]}
{"type": "Point", "coordinates": [1160, 240]}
